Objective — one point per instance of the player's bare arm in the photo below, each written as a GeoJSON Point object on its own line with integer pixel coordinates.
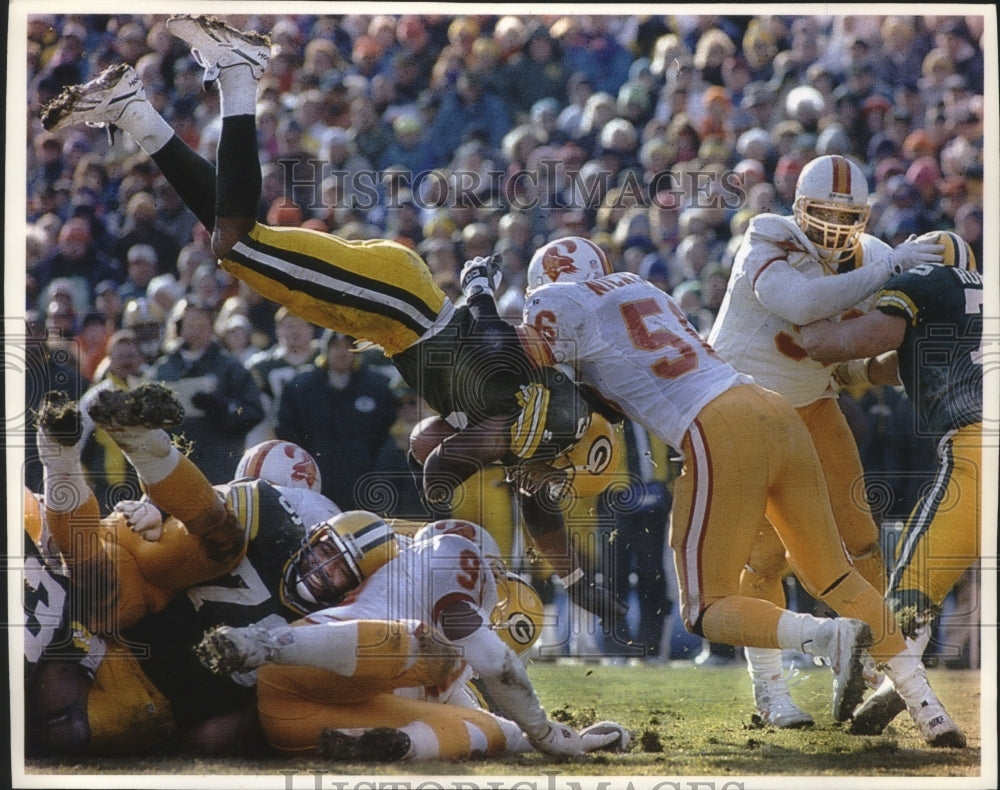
{"type": "Point", "coordinates": [865, 336]}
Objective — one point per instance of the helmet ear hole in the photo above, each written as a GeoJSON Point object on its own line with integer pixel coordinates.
{"type": "Point", "coordinates": [593, 462]}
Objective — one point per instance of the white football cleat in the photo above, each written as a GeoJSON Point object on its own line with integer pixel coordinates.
{"type": "Point", "coordinates": [936, 725]}
{"type": "Point", "coordinates": [216, 46]}
{"type": "Point", "coordinates": [851, 638]}
{"type": "Point", "coordinates": [775, 706]}
{"type": "Point", "coordinates": [99, 102]}
{"type": "Point", "coordinates": [225, 649]}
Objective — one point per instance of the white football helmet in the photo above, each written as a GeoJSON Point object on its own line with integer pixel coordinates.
{"type": "Point", "coordinates": [281, 464]}
{"type": "Point", "coordinates": [488, 545]}
{"type": "Point", "coordinates": [569, 259]}
{"type": "Point", "coordinates": [831, 204]}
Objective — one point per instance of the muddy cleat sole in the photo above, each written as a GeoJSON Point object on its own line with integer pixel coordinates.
{"type": "Point", "coordinates": [59, 417]}
{"type": "Point", "coordinates": [216, 46]}
{"type": "Point", "coordinates": [225, 649]}
{"type": "Point", "coordinates": [99, 102]}
{"type": "Point", "coordinates": [876, 712]}
{"type": "Point", "coordinates": [377, 745]}
{"type": "Point", "coordinates": [149, 405]}
{"type": "Point", "coordinates": [847, 659]}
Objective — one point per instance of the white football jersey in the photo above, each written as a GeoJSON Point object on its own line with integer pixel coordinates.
{"type": "Point", "coordinates": [778, 284]}
{"type": "Point", "coordinates": [426, 577]}
{"type": "Point", "coordinates": [631, 342]}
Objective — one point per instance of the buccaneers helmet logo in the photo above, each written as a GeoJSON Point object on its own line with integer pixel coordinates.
{"type": "Point", "coordinates": [303, 468]}
{"type": "Point", "coordinates": [556, 262]}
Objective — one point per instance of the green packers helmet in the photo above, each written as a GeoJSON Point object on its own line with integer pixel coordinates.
{"type": "Point", "coordinates": [334, 558]}
{"type": "Point", "coordinates": [957, 251]}
{"type": "Point", "coordinates": [519, 614]}
{"type": "Point", "coordinates": [584, 470]}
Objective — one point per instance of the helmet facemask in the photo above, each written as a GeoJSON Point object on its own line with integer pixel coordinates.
{"type": "Point", "coordinates": [834, 229]}
{"type": "Point", "coordinates": [321, 572]}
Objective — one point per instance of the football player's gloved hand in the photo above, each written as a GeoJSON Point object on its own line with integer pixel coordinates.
{"type": "Point", "coordinates": [913, 253]}
{"type": "Point", "coordinates": [481, 275]}
{"type": "Point", "coordinates": [143, 517]}
{"type": "Point", "coordinates": [622, 736]}
{"type": "Point", "coordinates": [210, 403]}
{"type": "Point", "coordinates": [566, 742]}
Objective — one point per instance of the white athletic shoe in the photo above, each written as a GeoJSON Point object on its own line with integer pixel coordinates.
{"type": "Point", "coordinates": [99, 102]}
{"type": "Point", "coordinates": [225, 649]}
{"type": "Point", "coordinates": [216, 46]}
{"type": "Point", "coordinates": [936, 725]}
{"type": "Point", "coordinates": [775, 706]}
{"type": "Point", "coordinates": [909, 677]}
{"type": "Point", "coordinates": [846, 652]}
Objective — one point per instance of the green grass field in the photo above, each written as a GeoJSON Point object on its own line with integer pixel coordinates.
{"type": "Point", "coordinates": [687, 721]}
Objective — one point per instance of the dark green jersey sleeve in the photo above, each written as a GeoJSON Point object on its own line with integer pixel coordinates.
{"type": "Point", "coordinates": [940, 358]}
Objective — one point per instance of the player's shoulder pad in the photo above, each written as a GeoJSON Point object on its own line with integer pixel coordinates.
{"type": "Point", "coordinates": [774, 226]}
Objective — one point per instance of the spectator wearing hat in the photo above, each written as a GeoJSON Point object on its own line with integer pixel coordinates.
{"type": "Point", "coordinates": [925, 175]}
{"type": "Point", "coordinates": [716, 122]}
{"type": "Point", "coordinates": [952, 196]}
{"type": "Point", "coordinates": [340, 411]}
{"type": "Point", "coordinates": [141, 266]}
{"type": "Point", "coordinates": [77, 257]}
{"type": "Point", "coordinates": [786, 177]}
{"type": "Point", "coordinates": [936, 68]}
{"type": "Point", "coordinates": [902, 211]}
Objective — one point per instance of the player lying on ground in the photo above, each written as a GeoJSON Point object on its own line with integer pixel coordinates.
{"type": "Point", "coordinates": [141, 579]}
{"type": "Point", "coordinates": [379, 671]}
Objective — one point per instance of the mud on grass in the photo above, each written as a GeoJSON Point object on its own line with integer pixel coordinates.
{"type": "Point", "coordinates": [685, 721]}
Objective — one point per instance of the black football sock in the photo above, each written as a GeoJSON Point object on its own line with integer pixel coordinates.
{"type": "Point", "coordinates": [239, 182]}
{"type": "Point", "coordinates": [192, 177]}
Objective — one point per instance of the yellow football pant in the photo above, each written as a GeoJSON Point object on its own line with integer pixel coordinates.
{"type": "Point", "coordinates": [838, 455]}
{"type": "Point", "coordinates": [375, 290]}
{"type": "Point", "coordinates": [296, 703]}
{"type": "Point", "coordinates": [748, 455]}
{"type": "Point", "coordinates": [941, 538]}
